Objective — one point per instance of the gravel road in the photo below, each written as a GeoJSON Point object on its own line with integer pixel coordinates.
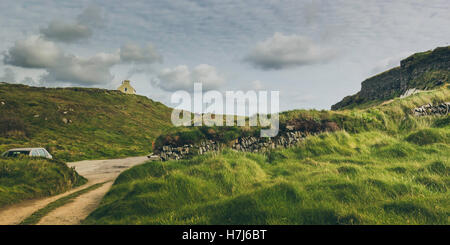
{"type": "Point", "coordinates": [96, 171]}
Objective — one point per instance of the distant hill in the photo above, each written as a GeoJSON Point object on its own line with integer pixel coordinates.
{"type": "Point", "coordinates": [79, 123]}
{"type": "Point", "coordinates": [422, 71]}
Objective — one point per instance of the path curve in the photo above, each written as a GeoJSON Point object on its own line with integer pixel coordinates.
{"type": "Point", "coordinates": [96, 171]}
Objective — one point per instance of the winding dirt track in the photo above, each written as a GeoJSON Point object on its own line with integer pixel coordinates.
{"type": "Point", "coordinates": [96, 171]}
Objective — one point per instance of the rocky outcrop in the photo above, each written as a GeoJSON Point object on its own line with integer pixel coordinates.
{"type": "Point", "coordinates": [420, 71]}
{"type": "Point", "coordinates": [432, 110]}
{"type": "Point", "coordinates": [410, 92]}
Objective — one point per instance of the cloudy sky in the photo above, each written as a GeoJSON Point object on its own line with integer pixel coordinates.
{"type": "Point", "coordinates": [313, 52]}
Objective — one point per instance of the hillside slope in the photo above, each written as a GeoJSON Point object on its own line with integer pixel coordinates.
{"type": "Point", "coordinates": [79, 123]}
{"type": "Point", "coordinates": [22, 179]}
{"type": "Point", "coordinates": [384, 165]}
{"type": "Point", "coordinates": [421, 71]}
{"type": "Point", "coordinates": [393, 168]}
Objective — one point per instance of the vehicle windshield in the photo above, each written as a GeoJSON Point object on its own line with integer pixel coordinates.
{"type": "Point", "coordinates": [16, 153]}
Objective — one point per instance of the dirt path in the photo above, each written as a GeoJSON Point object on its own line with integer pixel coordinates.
{"type": "Point", "coordinates": [79, 209]}
{"type": "Point", "coordinates": [96, 171]}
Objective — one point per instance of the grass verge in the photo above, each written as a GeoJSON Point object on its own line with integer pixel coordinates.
{"type": "Point", "coordinates": [27, 178]}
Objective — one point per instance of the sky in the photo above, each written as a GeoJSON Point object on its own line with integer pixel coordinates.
{"type": "Point", "coordinates": [313, 52]}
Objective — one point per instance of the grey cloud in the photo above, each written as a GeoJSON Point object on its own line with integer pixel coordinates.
{"type": "Point", "coordinates": [8, 76]}
{"type": "Point", "coordinates": [181, 78]}
{"type": "Point", "coordinates": [92, 16]}
{"type": "Point", "coordinates": [83, 71]}
{"type": "Point", "coordinates": [82, 28]}
{"type": "Point", "coordinates": [33, 52]}
{"type": "Point", "coordinates": [364, 32]}
{"type": "Point", "coordinates": [284, 51]}
{"type": "Point", "coordinates": [134, 53]}
{"type": "Point", "coordinates": [66, 32]}
{"type": "Point", "coordinates": [389, 63]}
{"type": "Point", "coordinates": [37, 52]}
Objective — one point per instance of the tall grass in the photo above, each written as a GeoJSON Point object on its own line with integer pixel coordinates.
{"type": "Point", "coordinates": [334, 178]}
{"type": "Point", "coordinates": [26, 178]}
{"type": "Point", "coordinates": [385, 167]}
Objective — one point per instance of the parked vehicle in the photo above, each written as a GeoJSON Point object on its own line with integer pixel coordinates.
{"type": "Point", "coordinates": [153, 157]}
{"type": "Point", "coordinates": [32, 152]}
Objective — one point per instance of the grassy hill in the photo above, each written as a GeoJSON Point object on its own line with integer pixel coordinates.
{"type": "Point", "coordinates": [391, 117]}
{"type": "Point", "coordinates": [385, 167]}
{"type": "Point", "coordinates": [25, 178]}
{"type": "Point", "coordinates": [79, 123]}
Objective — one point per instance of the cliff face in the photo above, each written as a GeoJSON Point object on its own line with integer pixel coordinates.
{"type": "Point", "coordinates": [424, 70]}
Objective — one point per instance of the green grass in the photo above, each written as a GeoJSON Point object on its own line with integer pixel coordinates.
{"type": "Point", "coordinates": [103, 123]}
{"type": "Point", "coordinates": [394, 117]}
{"type": "Point", "coordinates": [385, 167]}
{"type": "Point", "coordinates": [27, 178]}
{"type": "Point", "coordinates": [429, 136]}
{"type": "Point", "coordinates": [333, 178]}
{"type": "Point", "coordinates": [38, 215]}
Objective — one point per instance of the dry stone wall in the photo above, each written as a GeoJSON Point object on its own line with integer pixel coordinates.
{"type": "Point", "coordinates": [244, 144]}
{"type": "Point", "coordinates": [430, 109]}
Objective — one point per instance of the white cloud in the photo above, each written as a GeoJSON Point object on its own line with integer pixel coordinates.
{"type": "Point", "coordinates": [30, 81]}
{"type": "Point", "coordinates": [33, 52]}
{"type": "Point", "coordinates": [181, 78]}
{"type": "Point", "coordinates": [257, 85]}
{"type": "Point", "coordinates": [134, 53]}
{"type": "Point", "coordinates": [283, 51]}
{"type": "Point", "coordinates": [8, 76]}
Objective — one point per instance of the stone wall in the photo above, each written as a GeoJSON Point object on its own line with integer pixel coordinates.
{"type": "Point", "coordinates": [260, 144]}
{"type": "Point", "coordinates": [244, 144]}
{"type": "Point", "coordinates": [430, 109]}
